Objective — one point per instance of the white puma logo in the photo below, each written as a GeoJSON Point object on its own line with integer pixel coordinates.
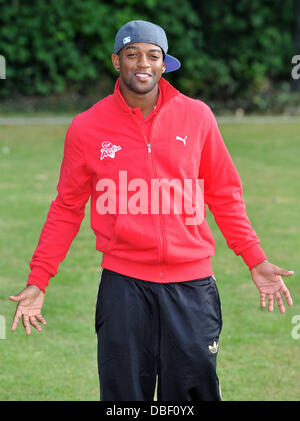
{"type": "Point", "coordinates": [182, 140]}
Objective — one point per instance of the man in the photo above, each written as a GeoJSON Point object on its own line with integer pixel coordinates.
{"type": "Point", "coordinates": [158, 311]}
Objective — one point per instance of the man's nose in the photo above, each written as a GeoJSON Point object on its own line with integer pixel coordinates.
{"type": "Point", "coordinates": [143, 60]}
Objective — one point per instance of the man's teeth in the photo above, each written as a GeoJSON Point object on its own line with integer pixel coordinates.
{"type": "Point", "coordinates": [142, 75]}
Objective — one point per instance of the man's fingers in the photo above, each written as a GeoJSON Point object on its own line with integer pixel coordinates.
{"type": "Point", "coordinates": [15, 298]}
{"type": "Point", "coordinates": [279, 299]}
{"type": "Point", "coordinates": [26, 324]}
{"type": "Point", "coordinates": [27, 320]}
{"type": "Point", "coordinates": [280, 302]}
{"type": "Point", "coordinates": [263, 299]}
{"type": "Point", "coordinates": [287, 295]}
{"type": "Point", "coordinates": [41, 319]}
{"type": "Point", "coordinates": [35, 323]}
{"type": "Point", "coordinates": [270, 302]}
{"type": "Point", "coordinates": [283, 272]}
{"type": "Point", "coordinates": [16, 319]}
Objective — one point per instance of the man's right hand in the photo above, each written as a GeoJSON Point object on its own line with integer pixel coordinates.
{"type": "Point", "coordinates": [30, 301]}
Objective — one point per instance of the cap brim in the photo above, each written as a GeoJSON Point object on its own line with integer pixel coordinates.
{"type": "Point", "coordinates": [171, 63]}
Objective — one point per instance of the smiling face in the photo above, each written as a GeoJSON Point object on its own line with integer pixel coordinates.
{"type": "Point", "coordinates": [141, 66]}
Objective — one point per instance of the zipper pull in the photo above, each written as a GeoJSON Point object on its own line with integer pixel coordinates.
{"type": "Point", "coordinates": [149, 147]}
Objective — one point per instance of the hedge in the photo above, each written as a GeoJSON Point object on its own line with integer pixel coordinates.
{"type": "Point", "coordinates": [230, 50]}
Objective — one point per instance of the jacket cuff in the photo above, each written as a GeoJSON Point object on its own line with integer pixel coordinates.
{"type": "Point", "coordinates": [39, 277]}
{"type": "Point", "coordinates": [253, 255]}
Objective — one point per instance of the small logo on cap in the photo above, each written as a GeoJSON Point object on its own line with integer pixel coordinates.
{"type": "Point", "coordinates": [126, 40]}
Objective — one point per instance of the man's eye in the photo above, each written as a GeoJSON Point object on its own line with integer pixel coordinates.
{"type": "Point", "coordinates": [130, 55]}
{"type": "Point", "coordinates": [155, 57]}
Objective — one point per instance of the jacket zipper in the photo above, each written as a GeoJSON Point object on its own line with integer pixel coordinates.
{"type": "Point", "coordinates": [160, 231]}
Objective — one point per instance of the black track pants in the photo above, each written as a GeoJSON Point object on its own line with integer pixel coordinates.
{"type": "Point", "coordinates": [146, 329]}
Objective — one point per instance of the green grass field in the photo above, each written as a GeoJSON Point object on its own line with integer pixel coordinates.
{"type": "Point", "coordinates": [258, 358]}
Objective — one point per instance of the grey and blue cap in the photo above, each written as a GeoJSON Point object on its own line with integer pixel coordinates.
{"type": "Point", "coordinates": [143, 31]}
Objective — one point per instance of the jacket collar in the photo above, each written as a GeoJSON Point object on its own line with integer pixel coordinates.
{"type": "Point", "coordinates": [166, 93]}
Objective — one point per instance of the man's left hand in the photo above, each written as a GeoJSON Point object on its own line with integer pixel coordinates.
{"type": "Point", "coordinates": [267, 278]}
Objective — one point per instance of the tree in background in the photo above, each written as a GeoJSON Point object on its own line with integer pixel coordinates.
{"type": "Point", "coordinates": [232, 53]}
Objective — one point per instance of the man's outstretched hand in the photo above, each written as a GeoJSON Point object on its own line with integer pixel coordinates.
{"type": "Point", "coordinates": [30, 301]}
{"type": "Point", "coordinates": [267, 278]}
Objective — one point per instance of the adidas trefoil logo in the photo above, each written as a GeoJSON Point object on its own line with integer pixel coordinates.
{"type": "Point", "coordinates": [213, 348]}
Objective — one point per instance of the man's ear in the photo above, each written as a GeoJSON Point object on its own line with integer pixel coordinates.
{"type": "Point", "coordinates": [116, 61]}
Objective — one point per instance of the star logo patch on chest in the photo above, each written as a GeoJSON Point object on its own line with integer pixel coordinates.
{"type": "Point", "coordinates": [108, 150]}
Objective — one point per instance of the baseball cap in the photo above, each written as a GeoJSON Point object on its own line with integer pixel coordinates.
{"type": "Point", "coordinates": [143, 31]}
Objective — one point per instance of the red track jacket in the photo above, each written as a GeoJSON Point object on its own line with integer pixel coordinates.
{"type": "Point", "coordinates": [179, 141]}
